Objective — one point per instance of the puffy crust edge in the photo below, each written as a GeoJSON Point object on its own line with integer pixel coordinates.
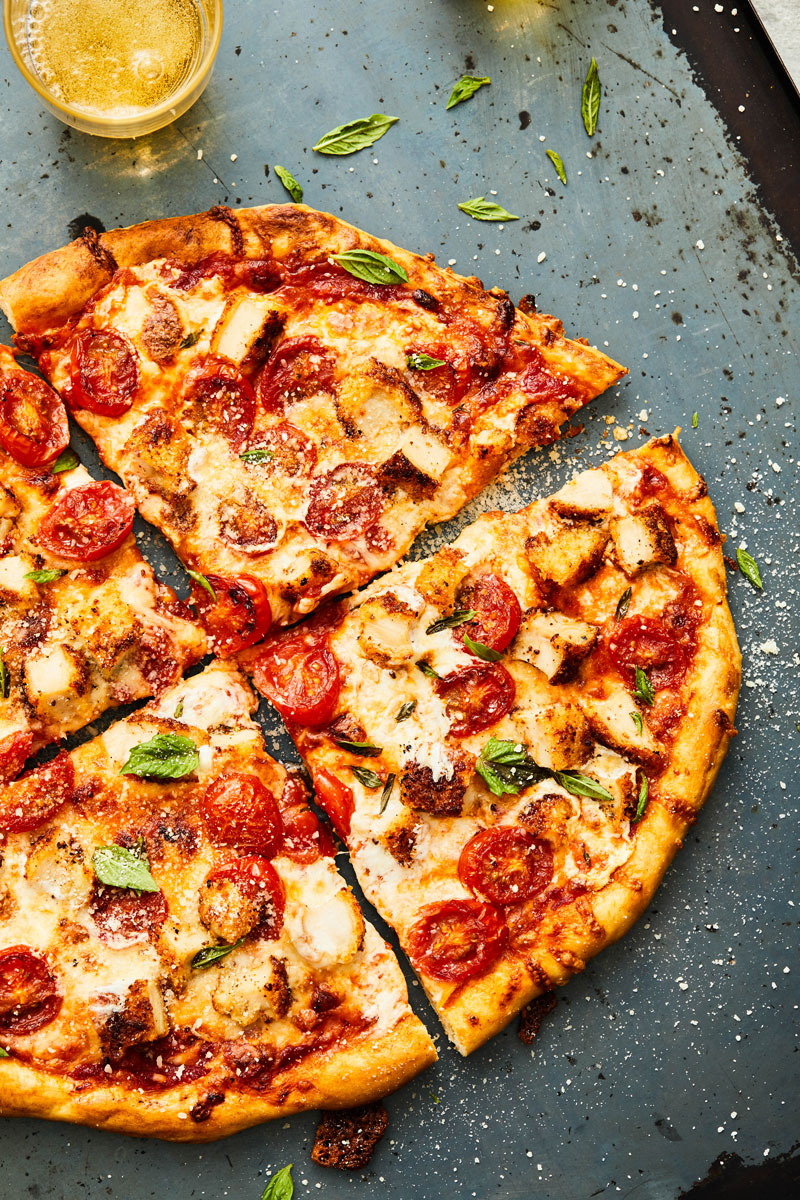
{"type": "Point", "coordinates": [359, 1074]}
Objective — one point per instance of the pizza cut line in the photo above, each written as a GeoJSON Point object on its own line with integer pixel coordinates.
{"type": "Point", "coordinates": [514, 735]}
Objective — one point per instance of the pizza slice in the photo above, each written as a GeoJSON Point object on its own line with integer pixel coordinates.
{"type": "Point", "coordinates": [514, 735]}
{"type": "Point", "coordinates": [178, 954]}
{"type": "Point", "coordinates": [84, 624]}
{"type": "Point", "coordinates": [289, 399]}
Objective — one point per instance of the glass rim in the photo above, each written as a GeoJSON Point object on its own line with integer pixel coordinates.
{"type": "Point", "coordinates": [213, 12]}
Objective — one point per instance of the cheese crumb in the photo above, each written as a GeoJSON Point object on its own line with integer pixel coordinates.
{"type": "Point", "coordinates": [769, 647]}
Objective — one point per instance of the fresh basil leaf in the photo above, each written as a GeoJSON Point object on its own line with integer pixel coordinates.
{"type": "Point", "coordinates": [578, 784]}
{"type": "Point", "coordinates": [467, 86]}
{"type": "Point", "coordinates": [623, 604]}
{"type": "Point", "coordinates": [368, 779]}
{"type": "Point", "coordinates": [558, 163]}
{"type": "Point", "coordinates": [371, 266]}
{"type": "Point", "coordinates": [203, 582]}
{"type": "Point", "coordinates": [749, 568]}
{"type": "Point", "coordinates": [290, 183]}
{"type": "Point", "coordinates": [47, 575]}
{"type": "Point", "coordinates": [486, 210]}
{"type": "Point", "coordinates": [435, 1098]}
{"type": "Point", "coordinates": [259, 455]}
{"type": "Point", "coordinates": [428, 670]}
{"type": "Point", "coordinates": [484, 652]}
{"type": "Point", "coordinates": [179, 710]}
{"type": "Point", "coordinates": [507, 767]}
{"type": "Point", "coordinates": [364, 749]}
{"type": "Point", "coordinates": [5, 678]}
{"type": "Point", "coordinates": [405, 710]}
{"type": "Point", "coordinates": [116, 866]}
{"type": "Point", "coordinates": [213, 954]}
{"type": "Point", "coordinates": [165, 756]}
{"type": "Point", "coordinates": [643, 794]}
{"type": "Point", "coordinates": [590, 99]}
{"type": "Point", "coordinates": [423, 362]}
{"type": "Point", "coordinates": [459, 617]}
{"type": "Point", "coordinates": [4, 1053]}
{"type": "Point", "coordinates": [191, 339]}
{"type": "Point", "coordinates": [636, 717]}
{"type": "Point", "coordinates": [694, 420]}
{"type": "Point", "coordinates": [355, 135]}
{"type": "Point", "coordinates": [66, 461]}
{"type": "Point", "coordinates": [280, 1186]}
{"type": "Point", "coordinates": [644, 691]}
{"type": "Point", "coordinates": [387, 792]}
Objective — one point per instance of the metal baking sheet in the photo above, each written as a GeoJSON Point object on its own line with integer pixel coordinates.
{"type": "Point", "coordinates": [674, 1047]}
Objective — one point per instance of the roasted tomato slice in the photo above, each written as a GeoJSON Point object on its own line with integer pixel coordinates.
{"type": "Point", "coordinates": [29, 997]}
{"type": "Point", "coordinates": [14, 750]}
{"type": "Point", "coordinates": [300, 676]}
{"type": "Point", "coordinates": [457, 940]}
{"type": "Point", "coordinates": [87, 522]}
{"type": "Point", "coordinates": [177, 1059]}
{"type": "Point", "coordinates": [298, 368]}
{"type": "Point", "coordinates": [448, 383]}
{"type": "Point", "coordinates": [259, 884]}
{"type": "Point", "coordinates": [649, 643]}
{"type": "Point", "coordinates": [498, 610]}
{"type": "Point", "coordinates": [305, 837]}
{"type": "Point", "coordinates": [337, 800]}
{"type": "Point", "coordinates": [122, 916]}
{"type": "Point", "coordinates": [506, 864]}
{"type": "Point", "coordinates": [104, 372]}
{"type": "Point", "coordinates": [238, 616]}
{"type": "Point", "coordinates": [476, 697]}
{"type": "Point", "coordinates": [37, 795]}
{"type": "Point", "coordinates": [33, 421]}
{"type": "Point", "coordinates": [238, 810]}
{"type": "Point", "coordinates": [289, 451]}
{"type": "Point", "coordinates": [223, 398]}
{"type": "Point", "coordinates": [345, 502]}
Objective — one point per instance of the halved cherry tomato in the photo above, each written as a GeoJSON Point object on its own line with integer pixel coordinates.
{"type": "Point", "coordinates": [298, 368]}
{"type": "Point", "coordinates": [300, 676]}
{"type": "Point", "coordinates": [238, 810]}
{"type": "Point", "coordinates": [506, 864]}
{"type": "Point", "coordinates": [14, 749]}
{"type": "Point", "coordinates": [87, 522]}
{"type": "Point", "coordinates": [29, 997]}
{"type": "Point", "coordinates": [37, 795]}
{"type": "Point", "coordinates": [647, 642]}
{"type": "Point", "coordinates": [238, 617]}
{"type": "Point", "coordinates": [291, 452]}
{"type": "Point", "coordinates": [456, 940]}
{"type": "Point", "coordinates": [476, 697]}
{"type": "Point", "coordinates": [123, 916]}
{"type": "Point", "coordinates": [345, 502]}
{"type": "Point", "coordinates": [305, 837]}
{"type": "Point", "coordinates": [33, 421]}
{"type": "Point", "coordinates": [258, 881]}
{"type": "Point", "coordinates": [104, 372]}
{"type": "Point", "coordinates": [498, 610]}
{"type": "Point", "coordinates": [224, 397]}
{"type": "Point", "coordinates": [337, 800]}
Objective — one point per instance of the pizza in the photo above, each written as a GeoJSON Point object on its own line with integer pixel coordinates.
{"type": "Point", "coordinates": [84, 624]}
{"type": "Point", "coordinates": [178, 955]}
{"type": "Point", "coordinates": [287, 398]}
{"type": "Point", "coordinates": [514, 735]}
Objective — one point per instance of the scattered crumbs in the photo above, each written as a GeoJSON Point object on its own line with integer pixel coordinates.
{"type": "Point", "coordinates": [199, 154]}
{"type": "Point", "coordinates": [737, 504]}
{"type": "Point", "coordinates": [769, 647]}
{"type": "Point", "coordinates": [700, 244]}
{"type": "Point", "coordinates": [542, 256]}
{"type": "Point", "coordinates": [234, 157]}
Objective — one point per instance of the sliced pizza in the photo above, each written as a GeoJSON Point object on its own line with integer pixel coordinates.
{"type": "Point", "coordinates": [178, 954]}
{"type": "Point", "coordinates": [289, 399]}
{"type": "Point", "coordinates": [84, 624]}
{"type": "Point", "coordinates": [514, 735]}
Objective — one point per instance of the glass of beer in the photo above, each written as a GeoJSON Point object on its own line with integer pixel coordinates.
{"type": "Point", "coordinates": [117, 68]}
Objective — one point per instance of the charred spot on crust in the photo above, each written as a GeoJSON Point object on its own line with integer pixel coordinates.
{"type": "Point", "coordinates": [532, 1015]}
{"type": "Point", "coordinates": [506, 313]}
{"type": "Point", "coordinates": [425, 300]}
{"type": "Point", "coordinates": [103, 257]}
{"type": "Point", "coordinates": [347, 1140]}
{"type": "Point", "coordinates": [527, 305]}
{"type": "Point", "coordinates": [221, 212]}
{"type": "Point", "coordinates": [399, 472]}
{"type": "Point", "coordinates": [202, 1110]}
{"type": "Point", "coordinates": [535, 428]}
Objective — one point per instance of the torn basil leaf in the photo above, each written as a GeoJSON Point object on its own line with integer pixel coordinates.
{"type": "Point", "coordinates": [117, 866]}
{"type": "Point", "coordinates": [261, 454]}
{"type": "Point", "coordinates": [365, 749]}
{"type": "Point", "coordinates": [290, 183]}
{"type": "Point", "coordinates": [590, 99]}
{"type": "Point", "coordinates": [4, 1053]}
{"type": "Point", "coordinates": [203, 582]}
{"type": "Point", "coordinates": [405, 710]}
{"type": "Point", "coordinates": [191, 339]}
{"type": "Point", "coordinates": [165, 756]}
{"type": "Point", "coordinates": [694, 420]}
{"type": "Point", "coordinates": [280, 1186]}
{"type": "Point", "coordinates": [387, 791]}
{"type": "Point", "coordinates": [507, 768]}
{"type": "Point", "coordinates": [578, 784]}
{"type": "Point", "coordinates": [423, 362]}
{"type": "Point", "coordinates": [644, 691]}
{"type": "Point", "coordinates": [178, 710]}
{"type": "Point", "coordinates": [482, 209]}
{"type": "Point", "coordinates": [481, 651]}
{"type": "Point", "coordinates": [213, 954]}
{"type": "Point", "coordinates": [368, 779]}
{"type": "Point", "coordinates": [355, 135]}
{"type": "Point", "coordinates": [643, 794]}
{"type": "Point", "coordinates": [623, 604]}
{"type": "Point", "coordinates": [371, 266]}
{"type": "Point", "coordinates": [636, 717]}
{"type": "Point", "coordinates": [66, 461]}
{"type": "Point", "coordinates": [467, 86]}
{"type": "Point", "coordinates": [749, 568]}
{"type": "Point", "coordinates": [558, 163]}
{"type": "Point", "coordinates": [47, 575]}
{"type": "Point", "coordinates": [459, 616]}
{"type": "Point", "coordinates": [428, 670]}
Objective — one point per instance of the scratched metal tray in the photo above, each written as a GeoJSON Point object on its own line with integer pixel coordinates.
{"type": "Point", "coordinates": [674, 1047]}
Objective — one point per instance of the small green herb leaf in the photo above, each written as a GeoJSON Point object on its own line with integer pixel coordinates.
{"type": "Point", "coordinates": [644, 691]}
{"type": "Point", "coordinates": [694, 420]}
{"type": "Point", "coordinates": [558, 163]}
{"type": "Point", "coordinates": [179, 710]}
{"type": "Point", "coordinates": [212, 954]}
{"type": "Point", "coordinates": [423, 362]}
{"type": "Point", "coordinates": [368, 779]}
{"type": "Point", "coordinates": [405, 710]}
{"type": "Point", "coordinates": [467, 86]}
{"type": "Point", "coordinates": [47, 575]}
{"type": "Point", "coordinates": [484, 652]}
{"type": "Point", "coordinates": [643, 794]}
{"type": "Point", "coordinates": [4, 1053]}
{"type": "Point", "coordinates": [435, 1098]}
{"type": "Point", "coordinates": [428, 670]}
{"type": "Point", "coordinates": [116, 866]}
{"type": "Point", "coordinates": [5, 678]}
{"type": "Point", "coordinates": [355, 135]}
{"type": "Point", "coordinates": [280, 1186]}
{"type": "Point", "coordinates": [66, 461]}
{"type": "Point", "coordinates": [590, 99]}
{"type": "Point", "coordinates": [165, 756]}
{"type": "Point", "coordinates": [290, 183]}
{"type": "Point", "coordinates": [458, 617]}
{"type": "Point", "coordinates": [749, 568]}
{"type": "Point", "coordinates": [371, 266]}
{"type": "Point", "coordinates": [191, 339]}
{"type": "Point", "coordinates": [578, 784]}
{"type": "Point", "coordinates": [623, 604]}
{"type": "Point", "coordinates": [586, 857]}
{"type": "Point", "coordinates": [636, 717]}
{"type": "Point", "coordinates": [486, 210]}
{"type": "Point", "coordinates": [507, 768]}
{"type": "Point", "coordinates": [259, 455]}
{"type": "Point", "coordinates": [364, 749]}
{"type": "Point", "coordinates": [387, 792]}
{"type": "Point", "coordinates": [203, 582]}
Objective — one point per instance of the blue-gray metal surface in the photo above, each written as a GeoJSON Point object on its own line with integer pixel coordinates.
{"type": "Point", "coordinates": [675, 1045]}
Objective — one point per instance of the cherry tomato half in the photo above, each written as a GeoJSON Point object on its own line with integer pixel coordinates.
{"type": "Point", "coordinates": [224, 397]}
{"type": "Point", "coordinates": [291, 452]}
{"type": "Point", "coordinates": [37, 795]}
{"type": "Point", "coordinates": [238, 810]}
{"type": "Point", "coordinates": [345, 502]}
{"type": "Point", "coordinates": [14, 749]}
{"type": "Point", "coordinates": [647, 642]}
{"type": "Point", "coordinates": [298, 368]}
{"type": "Point", "coordinates": [337, 800]}
{"type": "Point", "coordinates": [305, 837]}
{"type": "Point", "coordinates": [300, 677]}
{"type": "Point", "coordinates": [87, 522]}
{"type": "Point", "coordinates": [257, 881]}
{"type": "Point", "coordinates": [238, 616]}
{"type": "Point", "coordinates": [29, 997]}
{"type": "Point", "coordinates": [33, 421]}
{"type": "Point", "coordinates": [476, 697]}
{"type": "Point", "coordinates": [498, 610]}
{"type": "Point", "coordinates": [506, 864]}
{"type": "Point", "coordinates": [456, 940]}
{"type": "Point", "coordinates": [104, 372]}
